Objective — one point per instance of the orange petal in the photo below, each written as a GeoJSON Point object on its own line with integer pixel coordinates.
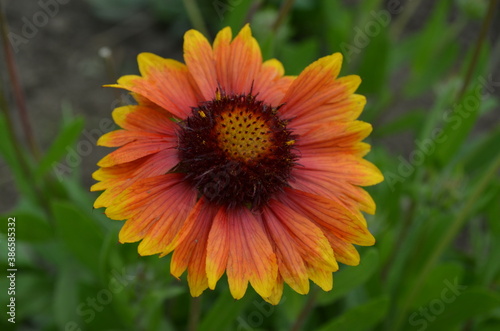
{"type": "Point", "coordinates": [329, 214]}
{"type": "Point", "coordinates": [200, 61]}
{"type": "Point", "coordinates": [137, 149]}
{"type": "Point", "coordinates": [165, 82]}
{"type": "Point", "coordinates": [344, 110]}
{"type": "Point", "coordinates": [323, 183]}
{"type": "Point", "coordinates": [145, 119]}
{"type": "Point", "coordinates": [162, 213]}
{"type": "Point", "coordinates": [315, 86]}
{"type": "Point", "coordinates": [344, 251]}
{"type": "Point", "coordinates": [277, 292]}
{"type": "Point", "coordinates": [117, 178]}
{"type": "Point", "coordinates": [300, 233]}
{"type": "Point", "coordinates": [244, 63]}
{"type": "Point", "coordinates": [143, 101]}
{"type": "Point", "coordinates": [218, 247]}
{"type": "Point", "coordinates": [122, 137]}
{"type": "Point", "coordinates": [320, 277]}
{"type": "Point", "coordinates": [290, 261]}
{"type": "Point", "coordinates": [344, 168]}
{"type": "Point", "coordinates": [172, 215]}
{"type": "Point", "coordinates": [222, 55]}
{"type": "Point", "coordinates": [332, 137]}
{"type": "Point", "coordinates": [191, 247]}
{"type": "Point", "coordinates": [251, 257]}
{"type": "Point", "coordinates": [270, 85]}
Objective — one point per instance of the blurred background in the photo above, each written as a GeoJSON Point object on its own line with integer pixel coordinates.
{"type": "Point", "coordinates": [431, 75]}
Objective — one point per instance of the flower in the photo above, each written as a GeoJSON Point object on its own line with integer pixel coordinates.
{"type": "Point", "coordinates": [238, 169]}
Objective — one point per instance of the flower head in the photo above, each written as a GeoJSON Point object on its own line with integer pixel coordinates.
{"type": "Point", "coordinates": [238, 169]}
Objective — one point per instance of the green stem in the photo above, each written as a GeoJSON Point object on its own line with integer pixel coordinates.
{"type": "Point", "coordinates": [477, 51]}
{"type": "Point", "coordinates": [285, 8]}
{"type": "Point", "coordinates": [445, 241]}
{"type": "Point", "coordinates": [194, 13]}
{"type": "Point", "coordinates": [306, 310]}
{"type": "Point", "coordinates": [194, 314]}
{"type": "Point", "coordinates": [16, 87]}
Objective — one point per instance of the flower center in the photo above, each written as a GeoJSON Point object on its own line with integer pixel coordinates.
{"type": "Point", "coordinates": [236, 150]}
{"type": "Point", "coordinates": [243, 135]}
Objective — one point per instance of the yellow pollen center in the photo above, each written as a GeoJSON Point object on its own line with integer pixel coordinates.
{"type": "Point", "coordinates": [243, 135]}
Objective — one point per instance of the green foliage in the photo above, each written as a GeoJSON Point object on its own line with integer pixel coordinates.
{"type": "Point", "coordinates": [362, 317]}
{"type": "Point", "coordinates": [436, 264]}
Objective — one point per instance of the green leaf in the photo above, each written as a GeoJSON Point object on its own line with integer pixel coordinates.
{"type": "Point", "coordinates": [34, 291]}
{"type": "Point", "coordinates": [374, 67]}
{"type": "Point", "coordinates": [362, 317]}
{"type": "Point", "coordinates": [436, 282]}
{"type": "Point", "coordinates": [303, 52]}
{"type": "Point", "coordinates": [8, 153]}
{"type": "Point", "coordinates": [349, 278]}
{"type": "Point", "coordinates": [79, 234]}
{"type": "Point", "coordinates": [459, 122]}
{"type": "Point", "coordinates": [434, 53]}
{"type": "Point", "coordinates": [225, 311]}
{"type": "Point", "coordinates": [65, 299]}
{"type": "Point", "coordinates": [338, 23]}
{"type": "Point", "coordinates": [482, 153]}
{"type": "Point", "coordinates": [410, 121]}
{"type": "Point", "coordinates": [29, 226]}
{"type": "Point", "coordinates": [451, 309]}
{"type": "Point", "coordinates": [65, 139]}
{"type": "Point", "coordinates": [232, 13]}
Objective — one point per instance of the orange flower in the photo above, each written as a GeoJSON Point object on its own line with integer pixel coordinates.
{"type": "Point", "coordinates": [238, 169]}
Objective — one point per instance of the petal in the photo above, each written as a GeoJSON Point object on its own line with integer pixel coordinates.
{"type": "Point", "coordinates": [145, 119]}
{"type": "Point", "coordinates": [270, 85]}
{"type": "Point", "coordinates": [329, 214]}
{"type": "Point", "coordinates": [165, 82]}
{"type": "Point", "coordinates": [291, 229]}
{"type": "Point", "coordinates": [251, 257]}
{"type": "Point", "coordinates": [321, 183]}
{"type": "Point", "coordinates": [333, 137]}
{"type": "Point", "coordinates": [200, 61]}
{"type": "Point", "coordinates": [155, 208]}
{"type": "Point", "coordinates": [122, 137]}
{"type": "Point", "coordinates": [191, 247]}
{"type": "Point", "coordinates": [344, 251]}
{"type": "Point", "coordinates": [320, 277]}
{"type": "Point", "coordinates": [117, 178]}
{"type": "Point", "coordinates": [218, 247]}
{"type": "Point", "coordinates": [290, 261]}
{"type": "Point", "coordinates": [222, 55]}
{"type": "Point", "coordinates": [136, 150]}
{"type": "Point", "coordinates": [244, 63]}
{"type": "Point", "coordinates": [277, 292]}
{"type": "Point", "coordinates": [344, 110]}
{"type": "Point", "coordinates": [315, 86]}
{"type": "Point", "coordinates": [343, 168]}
